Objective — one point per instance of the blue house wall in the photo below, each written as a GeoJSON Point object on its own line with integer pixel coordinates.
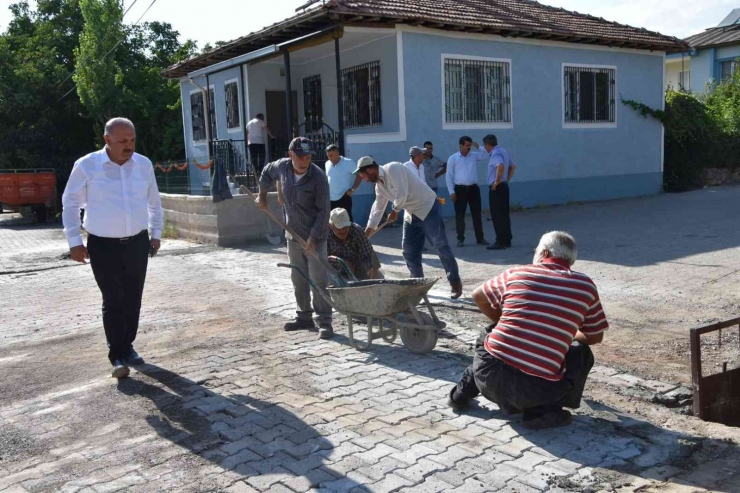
{"type": "Point", "coordinates": [555, 165]}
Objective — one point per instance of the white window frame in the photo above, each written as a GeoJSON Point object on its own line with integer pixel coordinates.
{"type": "Point", "coordinates": [197, 142]}
{"type": "Point", "coordinates": [238, 128]}
{"type": "Point", "coordinates": [476, 125]}
{"type": "Point", "coordinates": [586, 125]}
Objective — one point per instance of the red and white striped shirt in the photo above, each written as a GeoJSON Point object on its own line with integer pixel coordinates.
{"type": "Point", "coordinates": [543, 306]}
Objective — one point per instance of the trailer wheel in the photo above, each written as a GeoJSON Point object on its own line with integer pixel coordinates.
{"type": "Point", "coordinates": [39, 213]}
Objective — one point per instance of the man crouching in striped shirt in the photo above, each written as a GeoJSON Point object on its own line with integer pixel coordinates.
{"type": "Point", "coordinates": [535, 357]}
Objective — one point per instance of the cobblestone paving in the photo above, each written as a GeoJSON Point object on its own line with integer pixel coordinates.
{"type": "Point", "coordinates": [251, 408]}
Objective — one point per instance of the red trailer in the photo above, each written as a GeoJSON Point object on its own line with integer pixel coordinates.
{"type": "Point", "coordinates": [31, 192]}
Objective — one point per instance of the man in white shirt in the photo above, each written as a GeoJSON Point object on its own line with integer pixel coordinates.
{"type": "Point", "coordinates": [118, 191]}
{"type": "Point", "coordinates": [416, 163]}
{"type": "Point", "coordinates": [256, 140]}
{"type": "Point", "coordinates": [343, 182]}
{"type": "Point", "coordinates": [395, 183]}
{"type": "Point", "coordinates": [462, 183]}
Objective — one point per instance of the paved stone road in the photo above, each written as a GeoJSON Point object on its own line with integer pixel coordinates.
{"type": "Point", "coordinates": [229, 403]}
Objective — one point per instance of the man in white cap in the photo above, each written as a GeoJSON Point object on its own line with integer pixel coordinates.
{"type": "Point", "coordinates": [416, 163]}
{"type": "Point", "coordinates": [395, 183]}
{"type": "Point", "coordinates": [348, 242]}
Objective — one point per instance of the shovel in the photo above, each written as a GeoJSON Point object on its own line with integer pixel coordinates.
{"type": "Point", "coordinates": [336, 279]}
{"type": "Point", "coordinates": [379, 228]}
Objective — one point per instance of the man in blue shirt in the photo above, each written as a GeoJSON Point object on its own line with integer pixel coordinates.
{"type": "Point", "coordinates": [500, 171]}
{"type": "Point", "coordinates": [342, 182]}
{"type": "Point", "coordinates": [462, 183]}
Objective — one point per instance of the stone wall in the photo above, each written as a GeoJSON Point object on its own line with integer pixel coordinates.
{"type": "Point", "coordinates": [720, 176]}
{"type": "Point", "coordinates": [227, 223]}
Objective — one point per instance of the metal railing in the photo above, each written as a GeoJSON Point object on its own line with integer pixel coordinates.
{"type": "Point", "coordinates": [233, 155]}
{"type": "Point", "coordinates": [320, 139]}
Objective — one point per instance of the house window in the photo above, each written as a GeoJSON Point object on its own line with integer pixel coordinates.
{"type": "Point", "coordinates": [589, 94]}
{"type": "Point", "coordinates": [477, 91]}
{"type": "Point", "coordinates": [361, 95]}
{"type": "Point", "coordinates": [726, 69]}
{"type": "Point", "coordinates": [684, 80]}
{"type": "Point", "coordinates": [212, 113]}
{"type": "Point", "coordinates": [232, 105]}
{"type": "Point", "coordinates": [312, 106]}
{"type": "Point", "coordinates": [197, 115]}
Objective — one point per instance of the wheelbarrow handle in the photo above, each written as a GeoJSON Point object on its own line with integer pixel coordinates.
{"type": "Point", "coordinates": [322, 292]}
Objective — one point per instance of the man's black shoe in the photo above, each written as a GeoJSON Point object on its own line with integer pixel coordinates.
{"type": "Point", "coordinates": [456, 406]}
{"type": "Point", "coordinates": [552, 419]}
{"type": "Point", "coordinates": [133, 358]}
{"type": "Point", "coordinates": [299, 324]}
{"type": "Point", "coordinates": [120, 370]}
{"type": "Point", "coordinates": [496, 246]}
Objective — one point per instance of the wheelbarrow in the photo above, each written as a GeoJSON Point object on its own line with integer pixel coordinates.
{"type": "Point", "coordinates": [394, 304]}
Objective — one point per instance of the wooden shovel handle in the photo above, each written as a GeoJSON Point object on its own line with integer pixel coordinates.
{"type": "Point", "coordinates": [379, 228]}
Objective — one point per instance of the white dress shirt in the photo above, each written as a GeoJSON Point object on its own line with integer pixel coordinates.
{"type": "Point", "coordinates": [399, 185]}
{"type": "Point", "coordinates": [119, 200]}
{"type": "Point", "coordinates": [256, 131]}
{"type": "Point", "coordinates": [417, 171]}
{"type": "Point", "coordinates": [463, 170]}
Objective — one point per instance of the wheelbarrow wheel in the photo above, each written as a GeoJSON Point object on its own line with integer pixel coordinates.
{"type": "Point", "coordinates": [419, 341]}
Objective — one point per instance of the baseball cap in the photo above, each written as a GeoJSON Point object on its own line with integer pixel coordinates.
{"type": "Point", "coordinates": [415, 151]}
{"type": "Point", "coordinates": [340, 218]}
{"type": "Point", "coordinates": [301, 146]}
{"type": "Point", "coordinates": [364, 162]}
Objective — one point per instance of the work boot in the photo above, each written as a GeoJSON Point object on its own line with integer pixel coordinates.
{"type": "Point", "coordinates": [455, 405]}
{"type": "Point", "coordinates": [550, 419]}
{"type": "Point", "coordinates": [299, 324]}
{"type": "Point", "coordinates": [120, 370]}
{"type": "Point", "coordinates": [461, 243]}
{"type": "Point", "coordinates": [326, 331]}
{"type": "Point", "coordinates": [497, 246]}
{"type": "Point", "coordinates": [483, 242]}
{"type": "Point", "coordinates": [456, 291]}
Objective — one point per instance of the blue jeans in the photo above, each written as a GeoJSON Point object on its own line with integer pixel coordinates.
{"type": "Point", "coordinates": [433, 229]}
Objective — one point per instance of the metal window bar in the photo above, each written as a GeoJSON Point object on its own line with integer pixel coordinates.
{"type": "Point", "coordinates": [320, 140]}
{"type": "Point", "coordinates": [312, 103]}
{"type": "Point", "coordinates": [197, 116]}
{"type": "Point", "coordinates": [589, 95]}
{"type": "Point", "coordinates": [477, 91]}
{"type": "Point", "coordinates": [361, 95]}
{"type": "Point", "coordinates": [212, 113]}
{"type": "Point", "coordinates": [232, 105]}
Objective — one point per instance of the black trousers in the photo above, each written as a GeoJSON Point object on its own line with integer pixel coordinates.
{"type": "Point", "coordinates": [119, 266]}
{"type": "Point", "coordinates": [257, 155]}
{"type": "Point", "coordinates": [345, 203]}
{"type": "Point", "coordinates": [468, 194]}
{"type": "Point", "coordinates": [514, 390]}
{"type": "Point", "coordinates": [498, 201]}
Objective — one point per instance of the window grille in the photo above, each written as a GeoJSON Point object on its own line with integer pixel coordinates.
{"type": "Point", "coordinates": [232, 105]}
{"type": "Point", "coordinates": [727, 69]}
{"type": "Point", "coordinates": [312, 105]}
{"type": "Point", "coordinates": [197, 116]}
{"type": "Point", "coordinates": [477, 91]}
{"type": "Point", "coordinates": [212, 113]}
{"type": "Point", "coordinates": [589, 95]}
{"type": "Point", "coordinates": [361, 95]}
{"type": "Point", "coordinates": [684, 80]}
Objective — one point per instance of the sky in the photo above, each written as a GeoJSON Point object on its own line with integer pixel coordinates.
{"type": "Point", "coordinates": [223, 20]}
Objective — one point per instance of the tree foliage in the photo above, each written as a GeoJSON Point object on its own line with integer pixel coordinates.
{"type": "Point", "coordinates": [701, 131]}
{"type": "Point", "coordinates": [44, 124]}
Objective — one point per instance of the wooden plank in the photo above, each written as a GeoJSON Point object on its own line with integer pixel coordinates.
{"type": "Point", "coordinates": [694, 337]}
{"type": "Point", "coordinates": [720, 398]}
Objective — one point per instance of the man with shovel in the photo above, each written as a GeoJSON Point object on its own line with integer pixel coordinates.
{"type": "Point", "coordinates": [306, 197]}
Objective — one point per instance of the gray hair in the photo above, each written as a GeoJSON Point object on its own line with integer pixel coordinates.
{"type": "Point", "coordinates": [560, 245]}
{"type": "Point", "coordinates": [114, 123]}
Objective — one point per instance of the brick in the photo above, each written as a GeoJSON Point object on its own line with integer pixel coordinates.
{"type": "Point", "coordinates": [516, 447]}
{"type": "Point", "coordinates": [390, 483]}
{"type": "Point", "coordinates": [452, 455]}
{"type": "Point", "coordinates": [417, 472]}
{"type": "Point", "coordinates": [376, 453]}
{"type": "Point", "coordinates": [430, 485]}
{"type": "Point", "coordinates": [241, 457]}
{"type": "Point", "coordinates": [311, 480]}
{"type": "Point", "coordinates": [413, 454]}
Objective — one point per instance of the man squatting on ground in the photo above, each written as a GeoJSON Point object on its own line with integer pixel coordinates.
{"type": "Point", "coordinates": [119, 193]}
{"type": "Point", "coordinates": [306, 197]}
{"type": "Point", "coordinates": [535, 356]}
{"type": "Point", "coordinates": [396, 183]}
{"type": "Point", "coordinates": [348, 242]}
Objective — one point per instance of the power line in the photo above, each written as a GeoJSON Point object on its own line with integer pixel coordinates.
{"type": "Point", "coordinates": [114, 46]}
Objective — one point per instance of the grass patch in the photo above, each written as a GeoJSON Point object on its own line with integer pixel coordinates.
{"type": "Point", "coordinates": [170, 231]}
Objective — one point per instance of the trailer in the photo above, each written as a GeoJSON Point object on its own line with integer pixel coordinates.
{"type": "Point", "coordinates": [30, 192]}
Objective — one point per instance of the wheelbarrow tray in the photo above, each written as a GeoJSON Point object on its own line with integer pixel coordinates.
{"type": "Point", "coordinates": [380, 297]}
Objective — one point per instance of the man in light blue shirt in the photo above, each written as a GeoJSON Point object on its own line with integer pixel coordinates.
{"type": "Point", "coordinates": [500, 171]}
{"type": "Point", "coordinates": [342, 182]}
{"type": "Point", "coordinates": [462, 183]}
